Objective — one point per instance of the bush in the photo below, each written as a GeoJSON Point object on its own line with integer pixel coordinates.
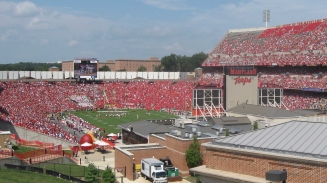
{"type": "Point", "coordinates": [227, 132]}
{"type": "Point", "coordinates": [108, 176]}
{"type": "Point", "coordinates": [193, 154]}
{"type": "Point", "coordinates": [91, 173]}
{"type": "Point", "coordinates": [255, 125]}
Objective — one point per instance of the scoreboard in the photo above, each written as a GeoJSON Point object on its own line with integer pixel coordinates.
{"type": "Point", "coordinates": [85, 67]}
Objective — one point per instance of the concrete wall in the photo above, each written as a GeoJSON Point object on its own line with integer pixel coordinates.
{"type": "Point", "coordinates": [31, 135]}
{"type": "Point", "coordinates": [60, 160]}
{"type": "Point", "coordinates": [12, 160]}
{"type": "Point", "coordinates": [240, 92]}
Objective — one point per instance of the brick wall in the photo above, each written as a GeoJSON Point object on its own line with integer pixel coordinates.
{"type": "Point", "coordinates": [149, 153]}
{"type": "Point", "coordinates": [176, 148]}
{"type": "Point", "coordinates": [67, 66]}
{"type": "Point", "coordinates": [154, 139]}
{"type": "Point", "coordinates": [258, 166]}
{"type": "Point", "coordinates": [123, 160]}
{"type": "Point", "coordinates": [172, 147]}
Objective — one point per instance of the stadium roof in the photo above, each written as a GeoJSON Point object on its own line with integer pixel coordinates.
{"type": "Point", "coordinates": [299, 138]}
{"type": "Point", "coordinates": [265, 111]}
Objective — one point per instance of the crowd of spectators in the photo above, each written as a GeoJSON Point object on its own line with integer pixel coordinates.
{"type": "Point", "coordinates": [29, 104]}
{"type": "Point", "coordinates": [295, 44]}
{"type": "Point", "coordinates": [304, 100]}
{"type": "Point", "coordinates": [212, 78]}
{"type": "Point", "coordinates": [292, 77]}
{"type": "Point", "coordinates": [148, 95]}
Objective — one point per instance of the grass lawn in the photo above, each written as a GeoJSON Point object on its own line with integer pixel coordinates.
{"type": "Point", "coordinates": [68, 169]}
{"type": "Point", "coordinates": [21, 176]}
{"type": "Point", "coordinates": [110, 123]}
{"type": "Point", "coordinates": [22, 149]}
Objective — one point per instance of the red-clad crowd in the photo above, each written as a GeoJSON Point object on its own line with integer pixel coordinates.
{"type": "Point", "coordinates": [292, 77]}
{"type": "Point", "coordinates": [29, 104]}
{"type": "Point", "coordinates": [293, 44]}
{"type": "Point", "coordinates": [144, 94]}
{"type": "Point", "coordinates": [304, 100]}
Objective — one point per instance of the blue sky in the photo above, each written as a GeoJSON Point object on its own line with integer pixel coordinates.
{"type": "Point", "coordinates": [49, 31]}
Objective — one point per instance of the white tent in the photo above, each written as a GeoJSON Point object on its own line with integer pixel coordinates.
{"type": "Point", "coordinates": [86, 144]}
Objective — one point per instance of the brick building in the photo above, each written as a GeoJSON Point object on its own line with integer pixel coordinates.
{"type": "Point", "coordinates": [133, 65]}
{"type": "Point", "coordinates": [298, 147]}
{"type": "Point", "coordinates": [120, 64]}
{"type": "Point", "coordinates": [154, 138]}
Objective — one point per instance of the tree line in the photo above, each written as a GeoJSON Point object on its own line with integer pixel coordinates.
{"type": "Point", "coordinates": [28, 66]}
{"type": "Point", "coordinates": [171, 63]}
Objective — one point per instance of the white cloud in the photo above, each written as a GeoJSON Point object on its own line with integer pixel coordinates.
{"type": "Point", "coordinates": [26, 9]}
{"type": "Point", "coordinates": [168, 4]}
{"type": "Point", "coordinates": [4, 37]}
{"type": "Point", "coordinates": [72, 43]}
{"type": "Point", "coordinates": [6, 6]}
{"type": "Point", "coordinates": [44, 41]}
{"type": "Point", "coordinates": [158, 31]}
{"type": "Point", "coordinates": [172, 47]}
{"type": "Point", "coordinates": [38, 23]}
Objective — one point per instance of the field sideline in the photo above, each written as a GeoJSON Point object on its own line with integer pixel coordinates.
{"type": "Point", "coordinates": [110, 123]}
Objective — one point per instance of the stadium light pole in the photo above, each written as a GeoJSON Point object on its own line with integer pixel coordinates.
{"type": "Point", "coordinates": [266, 16]}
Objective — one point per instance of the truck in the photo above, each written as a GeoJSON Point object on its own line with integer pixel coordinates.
{"type": "Point", "coordinates": [153, 169]}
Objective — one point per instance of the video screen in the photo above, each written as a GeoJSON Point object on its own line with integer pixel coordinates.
{"type": "Point", "coordinates": [85, 67]}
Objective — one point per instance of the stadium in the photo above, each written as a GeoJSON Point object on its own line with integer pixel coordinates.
{"type": "Point", "coordinates": [281, 67]}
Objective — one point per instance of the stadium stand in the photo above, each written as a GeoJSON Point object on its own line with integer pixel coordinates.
{"type": "Point", "coordinates": [292, 57]}
{"type": "Point", "coordinates": [29, 104]}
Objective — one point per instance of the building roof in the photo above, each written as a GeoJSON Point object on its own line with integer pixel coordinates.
{"type": "Point", "coordinates": [265, 111]}
{"type": "Point", "coordinates": [231, 120]}
{"type": "Point", "coordinates": [144, 128]}
{"type": "Point", "coordinates": [299, 138]}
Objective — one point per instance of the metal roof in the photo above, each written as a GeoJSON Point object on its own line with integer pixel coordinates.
{"type": "Point", "coordinates": [144, 128]}
{"type": "Point", "coordinates": [299, 138]}
{"type": "Point", "coordinates": [231, 120]}
{"type": "Point", "coordinates": [266, 111]}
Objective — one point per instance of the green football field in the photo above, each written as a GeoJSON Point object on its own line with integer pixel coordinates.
{"type": "Point", "coordinates": [102, 119]}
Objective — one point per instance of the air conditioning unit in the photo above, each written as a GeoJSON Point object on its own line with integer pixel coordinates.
{"type": "Point", "coordinates": [176, 133]}
{"type": "Point", "coordinates": [181, 123]}
{"type": "Point", "coordinates": [192, 129]}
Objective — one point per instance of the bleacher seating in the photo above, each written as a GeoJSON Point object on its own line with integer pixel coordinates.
{"type": "Point", "coordinates": [293, 44]}
{"type": "Point", "coordinates": [29, 104]}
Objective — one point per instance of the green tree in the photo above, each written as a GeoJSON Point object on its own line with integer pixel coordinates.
{"type": "Point", "coordinates": [227, 132]}
{"type": "Point", "coordinates": [121, 70]}
{"type": "Point", "coordinates": [255, 125]}
{"type": "Point", "coordinates": [141, 69]}
{"type": "Point", "coordinates": [157, 68]}
{"type": "Point", "coordinates": [193, 154]}
{"type": "Point", "coordinates": [91, 173]}
{"type": "Point", "coordinates": [170, 63]}
{"type": "Point", "coordinates": [197, 59]}
{"type": "Point", "coordinates": [108, 176]}
{"type": "Point", "coordinates": [104, 68]}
